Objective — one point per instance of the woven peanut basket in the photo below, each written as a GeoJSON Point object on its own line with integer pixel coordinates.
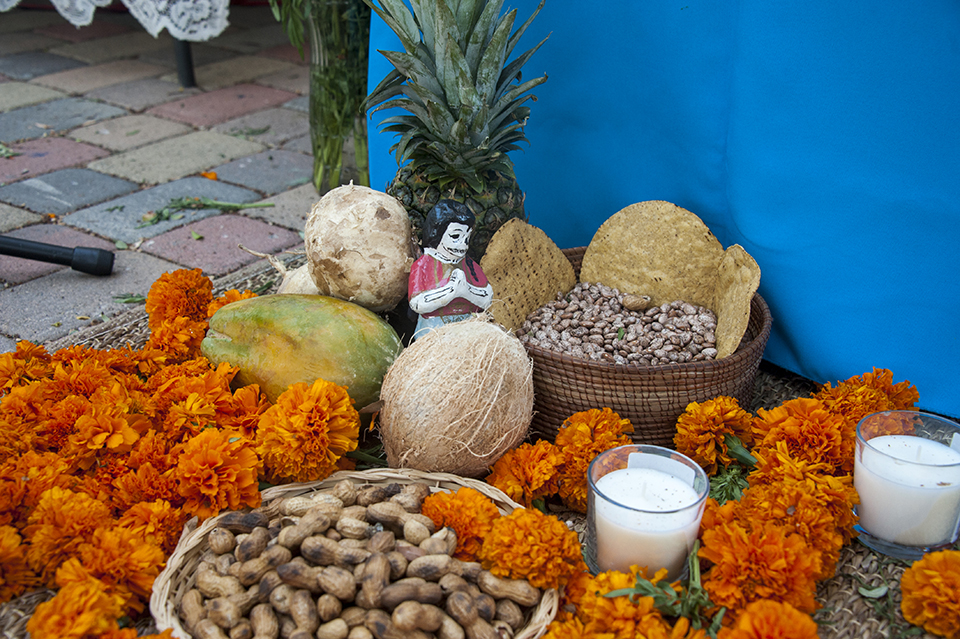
{"type": "Point", "coordinates": [179, 575]}
{"type": "Point", "coordinates": [651, 397]}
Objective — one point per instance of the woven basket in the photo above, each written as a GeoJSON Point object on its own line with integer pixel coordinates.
{"type": "Point", "coordinates": [180, 573]}
{"type": "Point", "coordinates": [651, 397]}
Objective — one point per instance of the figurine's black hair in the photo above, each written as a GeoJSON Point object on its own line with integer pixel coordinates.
{"type": "Point", "coordinates": [441, 216]}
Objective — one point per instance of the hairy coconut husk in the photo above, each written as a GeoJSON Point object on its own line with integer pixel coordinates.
{"type": "Point", "coordinates": [456, 399]}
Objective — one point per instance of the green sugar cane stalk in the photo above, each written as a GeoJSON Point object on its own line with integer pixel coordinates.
{"type": "Point", "coordinates": [338, 32]}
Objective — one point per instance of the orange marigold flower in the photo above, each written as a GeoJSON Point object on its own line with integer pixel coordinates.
{"type": "Point", "coordinates": [702, 428]}
{"type": "Point", "coordinates": [249, 403]}
{"type": "Point", "coordinates": [585, 435]}
{"type": "Point", "coordinates": [777, 468]}
{"type": "Point", "coordinates": [301, 437]}
{"type": "Point", "coordinates": [145, 484]}
{"type": "Point", "coordinates": [15, 575]}
{"type": "Point", "coordinates": [104, 427]}
{"type": "Point", "coordinates": [124, 560]}
{"type": "Point", "coordinates": [23, 480]}
{"type": "Point", "coordinates": [621, 616]}
{"type": "Point", "coordinates": [573, 628]}
{"type": "Point", "coordinates": [768, 619]}
{"type": "Point", "coordinates": [26, 364]}
{"type": "Point", "coordinates": [791, 506]}
{"type": "Point", "coordinates": [231, 296]}
{"type": "Point", "coordinates": [179, 294]}
{"type": "Point", "coordinates": [160, 523]}
{"type": "Point", "coordinates": [178, 338]}
{"type": "Point", "coordinates": [77, 611]}
{"type": "Point", "coordinates": [931, 593]}
{"type": "Point", "coordinates": [215, 473]}
{"type": "Point", "coordinates": [62, 521]}
{"type": "Point", "coordinates": [872, 392]}
{"type": "Point", "coordinates": [469, 512]}
{"type": "Point", "coordinates": [528, 472]}
{"type": "Point", "coordinates": [527, 544]}
{"type": "Point", "coordinates": [754, 560]}
{"type": "Point", "coordinates": [810, 432]}
{"type": "Point", "coordinates": [131, 633]}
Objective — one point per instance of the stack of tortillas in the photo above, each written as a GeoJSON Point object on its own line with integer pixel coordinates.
{"type": "Point", "coordinates": [651, 248]}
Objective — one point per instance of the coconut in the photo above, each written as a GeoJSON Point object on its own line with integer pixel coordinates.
{"type": "Point", "coordinates": [358, 247]}
{"type": "Point", "coordinates": [457, 399]}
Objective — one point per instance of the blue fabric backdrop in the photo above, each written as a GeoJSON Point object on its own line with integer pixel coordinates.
{"type": "Point", "coordinates": [822, 136]}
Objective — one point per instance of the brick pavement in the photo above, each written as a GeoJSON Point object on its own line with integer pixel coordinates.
{"type": "Point", "coordinates": [96, 133]}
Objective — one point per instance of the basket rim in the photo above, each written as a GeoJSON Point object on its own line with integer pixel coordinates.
{"type": "Point", "coordinates": [759, 341]}
{"type": "Point", "coordinates": [163, 600]}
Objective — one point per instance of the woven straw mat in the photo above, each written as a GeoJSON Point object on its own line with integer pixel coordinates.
{"type": "Point", "coordinates": [845, 613]}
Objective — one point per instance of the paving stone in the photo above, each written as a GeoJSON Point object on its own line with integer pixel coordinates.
{"type": "Point", "coordinates": [70, 33]}
{"type": "Point", "coordinates": [126, 45]}
{"type": "Point", "coordinates": [7, 344]}
{"type": "Point", "coordinates": [303, 144]}
{"type": "Point", "coordinates": [288, 53]}
{"type": "Point", "coordinates": [22, 20]}
{"type": "Point", "coordinates": [128, 132]}
{"type": "Point", "coordinates": [141, 94]}
{"type": "Point", "coordinates": [56, 115]}
{"type": "Point", "coordinates": [217, 252]}
{"type": "Point", "coordinates": [64, 191]}
{"type": "Point", "coordinates": [234, 71]}
{"type": "Point", "coordinates": [269, 172]}
{"type": "Point", "coordinates": [295, 80]}
{"type": "Point", "coordinates": [67, 301]}
{"type": "Point", "coordinates": [15, 270]}
{"type": "Point", "coordinates": [299, 104]}
{"type": "Point", "coordinates": [291, 208]}
{"type": "Point", "coordinates": [13, 218]}
{"type": "Point", "coordinates": [118, 219]}
{"type": "Point", "coordinates": [30, 64]}
{"type": "Point", "coordinates": [254, 39]}
{"type": "Point", "coordinates": [43, 156]}
{"type": "Point", "coordinates": [271, 127]}
{"type": "Point", "coordinates": [98, 76]}
{"type": "Point", "coordinates": [202, 54]}
{"type": "Point", "coordinates": [175, 157]}
{"type": "Point", "coordinates": [20, 94]}
{"type": "Point", "coordinates": [12, 43]}
{"type": "Point", "coordinates": [219, 106]}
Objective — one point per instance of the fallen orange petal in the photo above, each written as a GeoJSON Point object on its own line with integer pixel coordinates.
{"type": "Point", "coordinates": [210, 175]}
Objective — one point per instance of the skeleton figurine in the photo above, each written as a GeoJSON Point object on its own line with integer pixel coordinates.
{"type": "Point", "coordinates": [445, 285]}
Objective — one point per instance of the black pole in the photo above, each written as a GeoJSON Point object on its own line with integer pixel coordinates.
{"type": "Point", "coordinates": [83, 258]}
{"type": "Point", "coordinates": [181, 49]}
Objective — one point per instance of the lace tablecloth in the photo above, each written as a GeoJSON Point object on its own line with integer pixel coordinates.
{"type": "Point", "coordinates": [189, 20]}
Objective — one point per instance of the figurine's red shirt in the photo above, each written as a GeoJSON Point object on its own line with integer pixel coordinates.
{"type": "Point", "coordinates": [428, 273]}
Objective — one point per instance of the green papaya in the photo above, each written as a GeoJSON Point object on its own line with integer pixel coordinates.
{"type": "Point", "coordinates": [279, 340]}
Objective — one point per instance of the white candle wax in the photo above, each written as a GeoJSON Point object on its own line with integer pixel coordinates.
{"type": "Point", "coordinates": [909, 490]}
{"type": "Point", "coordinates": [654, 525]}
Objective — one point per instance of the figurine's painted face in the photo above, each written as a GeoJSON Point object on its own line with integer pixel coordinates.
{"type": "Point", "coordinates": [455, 242]}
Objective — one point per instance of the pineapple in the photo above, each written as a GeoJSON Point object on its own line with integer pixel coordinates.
{"type": "Point", "coordinates": [465, 108]}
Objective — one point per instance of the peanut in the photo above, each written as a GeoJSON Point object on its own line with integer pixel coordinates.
{"type": "Point", "coordinates": [253, 544]}
{"type": "Point", "coordinates": [221, 541]}
{"type": "Point", "coordinates": [517, 590]}
{"type": "Point", "coordinates": [334, 629]}
{"type": "Point", "coordinates": [264, 622]}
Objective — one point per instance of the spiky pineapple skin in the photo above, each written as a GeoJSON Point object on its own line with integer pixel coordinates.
{"type": "Point", "coordinates": [500, 202]}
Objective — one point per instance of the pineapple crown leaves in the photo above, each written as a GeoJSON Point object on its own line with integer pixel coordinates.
{"type": "Point", "coordinates": [465, 106]}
